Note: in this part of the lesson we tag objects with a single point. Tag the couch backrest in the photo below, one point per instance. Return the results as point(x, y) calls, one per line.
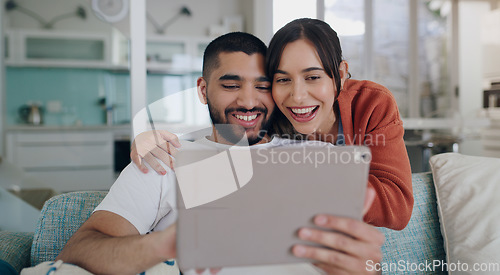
point(421, 241)
point(61, 216)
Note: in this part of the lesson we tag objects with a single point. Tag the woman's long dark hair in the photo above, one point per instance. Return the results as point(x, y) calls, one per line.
point(327, 45)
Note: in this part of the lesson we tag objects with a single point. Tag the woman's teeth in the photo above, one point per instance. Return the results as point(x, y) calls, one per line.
point(302, 110)
point(246, 118)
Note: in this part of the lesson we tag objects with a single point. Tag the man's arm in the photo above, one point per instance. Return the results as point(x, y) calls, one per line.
point(108, 243)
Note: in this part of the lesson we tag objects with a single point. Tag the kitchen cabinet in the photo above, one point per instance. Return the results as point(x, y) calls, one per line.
point(165, 54)
point(7, 41)
point(64, 160)
point(58, 49)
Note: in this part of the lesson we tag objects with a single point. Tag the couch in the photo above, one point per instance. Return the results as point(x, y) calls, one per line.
point(62, 215)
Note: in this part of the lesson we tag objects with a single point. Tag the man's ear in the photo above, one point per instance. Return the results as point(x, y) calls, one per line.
point(201, 85)
point(344, 72)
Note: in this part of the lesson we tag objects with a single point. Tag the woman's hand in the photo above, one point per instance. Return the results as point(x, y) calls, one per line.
point(155, 144)
point(349, 243)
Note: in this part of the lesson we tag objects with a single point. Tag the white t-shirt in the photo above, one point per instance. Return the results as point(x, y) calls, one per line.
point(147, 201)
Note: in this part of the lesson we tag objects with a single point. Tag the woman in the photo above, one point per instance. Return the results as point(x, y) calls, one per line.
point(318, 101)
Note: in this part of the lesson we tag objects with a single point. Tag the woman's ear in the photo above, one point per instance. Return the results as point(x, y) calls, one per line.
point(344, 72)
point(201, 85)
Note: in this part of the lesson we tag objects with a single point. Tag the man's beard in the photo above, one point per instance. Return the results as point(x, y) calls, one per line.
point(235, 133)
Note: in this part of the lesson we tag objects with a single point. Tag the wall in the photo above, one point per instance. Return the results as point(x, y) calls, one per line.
point(470, 56)
point(204, 13)
point(470, 69)
point(78, 90)
point(490, 38)
point(48, 9)
point(248, 14)
point(263, 20)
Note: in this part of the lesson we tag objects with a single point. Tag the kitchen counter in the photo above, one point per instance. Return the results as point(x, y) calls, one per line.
point(66, 128)
point(444, 123)
point(120, 132)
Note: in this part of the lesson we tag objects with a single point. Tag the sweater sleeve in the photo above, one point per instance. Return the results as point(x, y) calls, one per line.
point(376, 123)
point(390, 176)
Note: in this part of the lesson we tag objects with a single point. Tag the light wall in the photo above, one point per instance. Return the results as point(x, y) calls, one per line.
point(470, 56)
point(78, 91)
point(471, 69)
point(204, 14)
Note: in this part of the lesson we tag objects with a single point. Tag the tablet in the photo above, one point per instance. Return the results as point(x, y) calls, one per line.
point(244, 206)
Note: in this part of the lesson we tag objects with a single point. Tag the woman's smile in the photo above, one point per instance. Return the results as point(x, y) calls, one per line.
point(303, 114)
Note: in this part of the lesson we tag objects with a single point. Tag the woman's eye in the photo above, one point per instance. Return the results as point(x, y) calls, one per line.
point(282, 80)
point(314, 77)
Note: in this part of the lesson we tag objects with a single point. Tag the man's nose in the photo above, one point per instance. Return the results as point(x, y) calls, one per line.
point(248, 97)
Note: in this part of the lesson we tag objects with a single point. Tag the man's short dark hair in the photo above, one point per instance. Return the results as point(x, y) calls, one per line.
point(228, 43)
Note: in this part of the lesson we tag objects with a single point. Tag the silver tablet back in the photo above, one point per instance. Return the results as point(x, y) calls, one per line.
point(241, 206)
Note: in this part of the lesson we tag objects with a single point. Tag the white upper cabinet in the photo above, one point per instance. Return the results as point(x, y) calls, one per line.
point(58, 48)
point(48, 48)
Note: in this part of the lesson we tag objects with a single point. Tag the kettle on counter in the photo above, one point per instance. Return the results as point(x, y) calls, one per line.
point(31, 114)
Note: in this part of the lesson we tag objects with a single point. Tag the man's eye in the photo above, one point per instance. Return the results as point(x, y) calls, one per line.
point(230, 86)
point(266, 88)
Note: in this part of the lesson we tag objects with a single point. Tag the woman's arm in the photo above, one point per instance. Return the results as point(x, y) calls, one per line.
point(153, 145)
point(370, 117)
point(390, 176)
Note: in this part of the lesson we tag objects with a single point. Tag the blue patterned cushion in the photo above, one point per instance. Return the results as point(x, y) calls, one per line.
point(15, 250)
point(61, 216)
point(6, 268)
point(421, 241)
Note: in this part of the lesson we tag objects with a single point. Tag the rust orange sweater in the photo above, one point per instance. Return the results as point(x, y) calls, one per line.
point(370, 117)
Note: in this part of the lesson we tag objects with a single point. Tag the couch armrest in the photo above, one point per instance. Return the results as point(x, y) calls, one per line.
point(421, 241)
point(15, 248)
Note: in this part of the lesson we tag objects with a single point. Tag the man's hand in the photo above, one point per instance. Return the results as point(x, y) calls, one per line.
point(348, 247)
point(150, 145)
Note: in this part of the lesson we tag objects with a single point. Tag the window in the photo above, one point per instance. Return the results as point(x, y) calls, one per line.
point(285, 11)
point(401, 44)
point(347, 18)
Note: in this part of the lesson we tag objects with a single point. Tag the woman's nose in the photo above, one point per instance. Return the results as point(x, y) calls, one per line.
point(298, 92)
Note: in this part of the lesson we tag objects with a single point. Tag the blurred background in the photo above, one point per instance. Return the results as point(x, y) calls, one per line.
point(68, 93)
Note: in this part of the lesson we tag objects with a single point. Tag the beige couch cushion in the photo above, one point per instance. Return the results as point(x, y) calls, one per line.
point(468, 195)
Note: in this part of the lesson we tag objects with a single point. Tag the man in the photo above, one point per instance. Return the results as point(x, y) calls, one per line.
point(133, 228)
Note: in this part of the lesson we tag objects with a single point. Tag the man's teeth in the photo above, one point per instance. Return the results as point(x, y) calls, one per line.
point(246, 118)
point(302, 110)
